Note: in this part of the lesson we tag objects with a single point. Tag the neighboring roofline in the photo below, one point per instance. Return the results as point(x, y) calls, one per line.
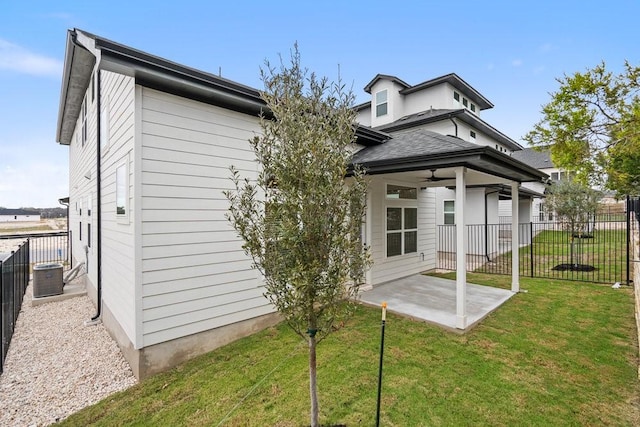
point(468, 158)
point(362, 106)
point(161, 74)
point(464, 115)
point(394, 79)
point(456, 81)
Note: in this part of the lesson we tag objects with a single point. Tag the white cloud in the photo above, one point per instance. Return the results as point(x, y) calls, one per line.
point(517, 62)
point(17, 58)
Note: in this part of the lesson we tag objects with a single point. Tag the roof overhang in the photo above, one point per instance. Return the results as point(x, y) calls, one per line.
point(454, 80)
point(481, 159)
point(84, 50)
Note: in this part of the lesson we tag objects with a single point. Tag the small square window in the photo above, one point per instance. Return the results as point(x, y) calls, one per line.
point(465, 102)
point(456, 96)
point(472, 134)
point(89, 235)
point(80, 230)
point(473, 107)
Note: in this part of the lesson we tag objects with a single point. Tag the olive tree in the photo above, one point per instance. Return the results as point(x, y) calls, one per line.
point(575, 206)
point(301, 219)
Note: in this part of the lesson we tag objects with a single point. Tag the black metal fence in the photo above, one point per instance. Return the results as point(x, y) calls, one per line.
point(594, 251)
point(14, 278)
point(44, 247)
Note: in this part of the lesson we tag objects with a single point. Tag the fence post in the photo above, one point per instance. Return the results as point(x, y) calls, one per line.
point(628, 238)
point(531, 245)
point(2, 326)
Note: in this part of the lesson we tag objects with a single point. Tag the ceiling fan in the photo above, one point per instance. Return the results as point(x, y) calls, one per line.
point(434, 178)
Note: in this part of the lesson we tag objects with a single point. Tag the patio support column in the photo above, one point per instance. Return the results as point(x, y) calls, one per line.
point(515, 238)
point(368, 233)
point(461, 250)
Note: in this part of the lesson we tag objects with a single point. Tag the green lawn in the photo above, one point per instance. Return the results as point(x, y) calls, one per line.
point(605, 250)
point(563, 353)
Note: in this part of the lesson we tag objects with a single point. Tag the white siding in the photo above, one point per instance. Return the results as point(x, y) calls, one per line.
point(119, 284)
point(436, 97)
point(195, 275)
point(386, 268)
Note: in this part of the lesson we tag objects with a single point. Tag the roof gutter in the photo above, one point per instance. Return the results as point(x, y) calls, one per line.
point(68, 60)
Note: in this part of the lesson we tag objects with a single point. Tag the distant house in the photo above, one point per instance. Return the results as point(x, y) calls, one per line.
point(150, 142)
point(540, 160)
point(19, 215)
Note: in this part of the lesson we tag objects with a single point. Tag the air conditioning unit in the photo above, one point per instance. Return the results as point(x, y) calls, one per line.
point(47, 280)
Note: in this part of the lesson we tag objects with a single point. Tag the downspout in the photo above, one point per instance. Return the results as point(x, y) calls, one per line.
point(454, 124)
point(68, 235)
point(99, 203)
point(486, 225)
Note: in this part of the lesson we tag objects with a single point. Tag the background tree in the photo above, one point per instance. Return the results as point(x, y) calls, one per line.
point(300, 219)
point(592, 127)
point(575, 205)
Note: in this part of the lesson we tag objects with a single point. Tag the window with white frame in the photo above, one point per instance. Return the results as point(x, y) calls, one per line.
point(449, 210)
point(122, 191)
point(401, 220)
point(381, 103)
point(84, 121)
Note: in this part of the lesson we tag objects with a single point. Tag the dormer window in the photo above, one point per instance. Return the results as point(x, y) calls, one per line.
point(381, 103)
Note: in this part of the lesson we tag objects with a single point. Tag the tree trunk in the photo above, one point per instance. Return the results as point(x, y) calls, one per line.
point(313, 386)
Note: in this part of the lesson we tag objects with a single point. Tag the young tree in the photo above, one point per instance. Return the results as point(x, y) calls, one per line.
point(575, 205)
point(301, 219)
point(592, 127)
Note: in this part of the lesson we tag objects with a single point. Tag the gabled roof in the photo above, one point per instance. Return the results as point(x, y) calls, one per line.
point(394, 79)
point(420, 149)
point(157, 73)
point(535, 158)
point(430, 116)
point(454, 80)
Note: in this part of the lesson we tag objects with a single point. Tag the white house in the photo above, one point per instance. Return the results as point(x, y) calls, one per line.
point(540, 160)
point(19, 215)
point(150, 142)
point(450, 106)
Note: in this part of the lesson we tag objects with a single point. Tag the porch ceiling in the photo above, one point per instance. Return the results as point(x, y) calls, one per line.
point(423, 150)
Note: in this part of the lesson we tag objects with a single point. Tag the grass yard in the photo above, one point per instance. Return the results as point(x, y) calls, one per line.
point(564, 353)
point(605, 250)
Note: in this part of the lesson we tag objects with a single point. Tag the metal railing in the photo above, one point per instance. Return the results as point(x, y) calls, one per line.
point(596, 251)
point(44, 247)
point(14, 278)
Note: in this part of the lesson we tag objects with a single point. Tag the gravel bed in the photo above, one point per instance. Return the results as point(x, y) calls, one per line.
point(56, 365)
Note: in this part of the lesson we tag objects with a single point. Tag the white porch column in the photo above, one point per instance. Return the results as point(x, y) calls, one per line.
point(515, 238)
point(368, 232)
point(461, 251)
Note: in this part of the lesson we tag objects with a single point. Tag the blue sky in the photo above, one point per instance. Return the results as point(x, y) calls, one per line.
point(511, 51)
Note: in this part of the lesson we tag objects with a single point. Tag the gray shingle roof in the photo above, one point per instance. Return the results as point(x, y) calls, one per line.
point(412, 143)
point(534, 158)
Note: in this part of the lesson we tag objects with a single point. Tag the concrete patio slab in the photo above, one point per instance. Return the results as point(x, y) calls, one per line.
point(433, 300)
point(71, 290)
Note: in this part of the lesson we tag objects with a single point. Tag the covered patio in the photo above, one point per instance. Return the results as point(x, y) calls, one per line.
point(417, 162)
point(433, 300)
